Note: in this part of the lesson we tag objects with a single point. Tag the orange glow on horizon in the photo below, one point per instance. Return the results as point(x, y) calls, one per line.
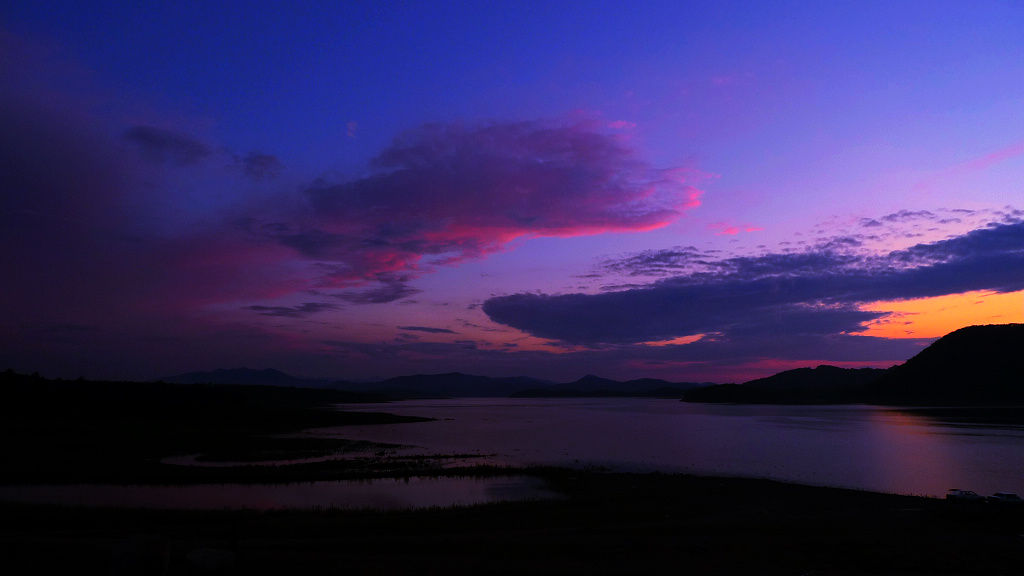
point(938, 316)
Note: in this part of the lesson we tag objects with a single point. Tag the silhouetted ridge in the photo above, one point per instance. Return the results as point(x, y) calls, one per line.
point(452, 384)
point(821, 385)
point(448, 385)
point(973, 366)
point(247, 376)
point(594, 386)
point(976, 365)
point(26, 395)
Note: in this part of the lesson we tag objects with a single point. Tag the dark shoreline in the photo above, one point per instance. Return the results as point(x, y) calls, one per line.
point(608, 523)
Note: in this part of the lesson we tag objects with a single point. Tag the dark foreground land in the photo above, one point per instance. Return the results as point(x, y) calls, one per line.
point(607, 523)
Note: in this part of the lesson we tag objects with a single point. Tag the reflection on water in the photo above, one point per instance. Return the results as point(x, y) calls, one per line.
point(380, 494)
point(852, 446)
point(989, 419)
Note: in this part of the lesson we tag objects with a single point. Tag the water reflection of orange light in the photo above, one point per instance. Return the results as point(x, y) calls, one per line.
point(902, 453)
point(938, 316)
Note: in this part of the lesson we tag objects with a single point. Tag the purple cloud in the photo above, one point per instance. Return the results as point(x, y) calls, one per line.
point(427, 329)
point(387, 290)
point(260, 166)
point(299, 311)
point(160, 145)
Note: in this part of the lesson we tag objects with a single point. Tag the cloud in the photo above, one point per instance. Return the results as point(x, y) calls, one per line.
point(661, 262)
point(812, 293)
point(973, 165)
point(442, 194)
point(260, 166)
point(427, 329)
point(299, 311)
point(57, 171)
point(908, 216)
point(160, 145)
point(705, 360)
point(97, 227)
point(388, 290)
point(726, 229)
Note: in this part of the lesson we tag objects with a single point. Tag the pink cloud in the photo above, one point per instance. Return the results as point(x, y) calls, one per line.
point(441, 194)
point(726, 229)
point(126, 240)
point(978, 164)
point(991, 159)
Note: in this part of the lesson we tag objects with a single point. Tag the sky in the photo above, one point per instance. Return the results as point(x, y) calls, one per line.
point(694, 191)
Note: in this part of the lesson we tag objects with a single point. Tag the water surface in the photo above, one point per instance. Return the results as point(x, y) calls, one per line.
point(378, 494)
point(863, 447)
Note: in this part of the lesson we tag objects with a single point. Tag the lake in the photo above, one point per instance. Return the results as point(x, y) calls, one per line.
point(864, 447)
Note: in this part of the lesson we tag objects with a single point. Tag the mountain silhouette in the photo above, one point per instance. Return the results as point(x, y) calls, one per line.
point(972, 366)
point(449, 385)
point(822, 385)
point(977, 365)
point(595, 386)
point(248, 376)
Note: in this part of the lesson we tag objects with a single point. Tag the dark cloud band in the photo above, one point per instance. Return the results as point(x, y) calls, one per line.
point(817, 292)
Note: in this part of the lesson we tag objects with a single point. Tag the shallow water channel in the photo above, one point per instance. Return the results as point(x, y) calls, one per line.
point(378, 494)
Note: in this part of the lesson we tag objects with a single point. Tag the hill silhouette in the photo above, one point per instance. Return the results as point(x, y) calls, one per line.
point(247, 376)
point(972, 366)
point(452, 384)
point(448, 385)
point(822, 385)
point(595, 386)
point(32, 395)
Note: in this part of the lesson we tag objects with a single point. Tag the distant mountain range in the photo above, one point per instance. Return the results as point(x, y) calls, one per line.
point(268, 377)
point(594, 386)
point(977, 365)
point(451, 385)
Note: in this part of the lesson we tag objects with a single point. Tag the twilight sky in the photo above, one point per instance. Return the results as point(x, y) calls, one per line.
point(696, 191)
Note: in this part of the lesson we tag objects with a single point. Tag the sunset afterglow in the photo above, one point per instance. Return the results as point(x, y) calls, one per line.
point(682, 190)
point(938, 316)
